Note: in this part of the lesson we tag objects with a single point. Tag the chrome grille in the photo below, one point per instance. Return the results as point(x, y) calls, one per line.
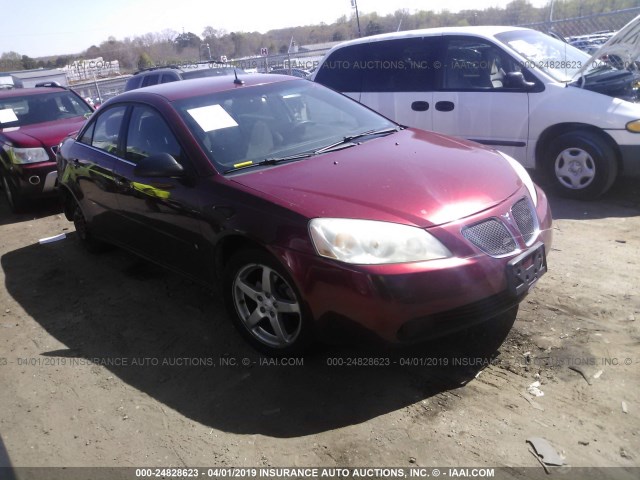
point(525, 219)
point(491, 236)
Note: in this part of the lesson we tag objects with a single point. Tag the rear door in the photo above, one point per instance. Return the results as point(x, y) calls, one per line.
point(91, 163)
point(475, 100)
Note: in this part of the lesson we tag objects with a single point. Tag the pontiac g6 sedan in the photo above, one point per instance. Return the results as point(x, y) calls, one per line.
point(308, 209)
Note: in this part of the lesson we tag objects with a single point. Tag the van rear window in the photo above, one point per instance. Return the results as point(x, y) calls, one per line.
point(340, 71)
point(401, 65)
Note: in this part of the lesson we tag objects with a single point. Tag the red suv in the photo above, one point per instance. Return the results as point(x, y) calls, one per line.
point(33, 121)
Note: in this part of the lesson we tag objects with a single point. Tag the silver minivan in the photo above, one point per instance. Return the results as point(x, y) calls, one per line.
point(547, 104)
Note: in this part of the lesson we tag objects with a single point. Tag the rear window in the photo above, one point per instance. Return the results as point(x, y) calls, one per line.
point(341, 70)
point(151, 79)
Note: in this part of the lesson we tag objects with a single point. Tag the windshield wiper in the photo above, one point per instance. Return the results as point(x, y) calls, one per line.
point(270, 161)
point(346, 142)
point(381, 131)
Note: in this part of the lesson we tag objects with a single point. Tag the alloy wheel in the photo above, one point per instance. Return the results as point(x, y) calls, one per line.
point(267, 305)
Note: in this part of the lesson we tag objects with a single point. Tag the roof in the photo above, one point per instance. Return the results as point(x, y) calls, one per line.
point(36, 73)
point(481, 31)
point(170, 68)
point(21, 92)
point(202, 86)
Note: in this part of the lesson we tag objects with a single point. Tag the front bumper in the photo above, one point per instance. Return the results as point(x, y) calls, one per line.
point(410, 302)
point(35, 180)
point(629, 145)
point(630, 160)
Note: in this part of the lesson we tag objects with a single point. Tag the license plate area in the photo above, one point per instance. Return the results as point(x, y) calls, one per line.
point(526, 269)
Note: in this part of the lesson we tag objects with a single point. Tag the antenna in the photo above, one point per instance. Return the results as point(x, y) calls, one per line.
point(237, 81)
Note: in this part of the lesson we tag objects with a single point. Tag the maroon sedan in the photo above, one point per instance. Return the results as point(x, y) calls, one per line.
point(309, 209)
point(33, 121)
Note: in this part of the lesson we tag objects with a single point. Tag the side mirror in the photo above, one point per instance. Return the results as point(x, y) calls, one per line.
point(159, 165)
point(517, 80)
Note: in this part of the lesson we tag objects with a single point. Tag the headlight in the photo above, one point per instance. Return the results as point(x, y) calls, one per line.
point(633, 126)
point(368, 242)
point(27, 155)
point(524, 176)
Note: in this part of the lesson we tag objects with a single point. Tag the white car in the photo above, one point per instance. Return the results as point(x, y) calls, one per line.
point(536, 98)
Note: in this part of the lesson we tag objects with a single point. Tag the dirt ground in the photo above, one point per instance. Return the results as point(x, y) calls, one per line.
point(108, 361)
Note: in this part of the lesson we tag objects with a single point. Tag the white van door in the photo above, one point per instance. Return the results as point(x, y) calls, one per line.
point(479, 98)
point(399, 78)
point(413, 109)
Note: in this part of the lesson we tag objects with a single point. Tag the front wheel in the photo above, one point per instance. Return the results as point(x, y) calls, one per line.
point(14, 199)
point(580, 165)
point(265, 305)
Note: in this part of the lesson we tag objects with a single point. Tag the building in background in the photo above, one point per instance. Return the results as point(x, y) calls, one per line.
point(82, 70)
point(29, 78)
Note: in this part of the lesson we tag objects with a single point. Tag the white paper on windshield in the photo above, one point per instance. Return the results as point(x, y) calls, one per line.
point(7, 115)
point(212, 117)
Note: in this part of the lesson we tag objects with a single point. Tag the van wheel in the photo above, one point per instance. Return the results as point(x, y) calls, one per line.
point(580, 165)
point(265, 305)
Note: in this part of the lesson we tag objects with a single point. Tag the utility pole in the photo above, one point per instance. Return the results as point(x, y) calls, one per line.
point(354, 4)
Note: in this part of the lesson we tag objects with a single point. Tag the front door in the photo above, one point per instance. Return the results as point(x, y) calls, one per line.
point(162, 214)
point(477, 100)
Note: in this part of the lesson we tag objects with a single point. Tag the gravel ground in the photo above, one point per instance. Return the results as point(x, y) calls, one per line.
point(109, 361)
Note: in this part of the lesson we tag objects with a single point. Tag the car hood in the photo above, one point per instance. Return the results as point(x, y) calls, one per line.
point(411, 177)
point(625, 44)
point(47, 133)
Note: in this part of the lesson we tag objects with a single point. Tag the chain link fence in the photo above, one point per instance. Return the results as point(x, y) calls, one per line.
point(587, 32)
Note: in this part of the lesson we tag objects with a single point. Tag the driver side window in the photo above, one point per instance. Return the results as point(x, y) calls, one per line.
point(475, 64)
point(149, 134)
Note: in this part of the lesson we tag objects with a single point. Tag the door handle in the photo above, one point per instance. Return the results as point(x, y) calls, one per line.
point(420, 106)
point(445, 106)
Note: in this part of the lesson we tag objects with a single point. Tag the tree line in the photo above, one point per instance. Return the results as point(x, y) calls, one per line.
point(170, 47)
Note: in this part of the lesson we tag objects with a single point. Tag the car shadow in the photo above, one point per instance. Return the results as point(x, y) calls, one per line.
point(35, 209)
point(171, 339)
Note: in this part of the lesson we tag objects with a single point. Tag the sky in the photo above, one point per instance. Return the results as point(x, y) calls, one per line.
point(41, 27)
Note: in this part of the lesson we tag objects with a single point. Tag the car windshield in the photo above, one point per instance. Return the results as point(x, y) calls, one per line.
point(47, 107)
point(558, 59)
point(282, 121)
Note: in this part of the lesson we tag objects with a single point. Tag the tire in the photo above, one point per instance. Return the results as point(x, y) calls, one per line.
point(272, 318)
point(83, 231)
point(14, 199)
point(580, 165)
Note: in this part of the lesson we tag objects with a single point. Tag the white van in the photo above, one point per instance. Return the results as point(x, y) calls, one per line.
point(536, 98)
